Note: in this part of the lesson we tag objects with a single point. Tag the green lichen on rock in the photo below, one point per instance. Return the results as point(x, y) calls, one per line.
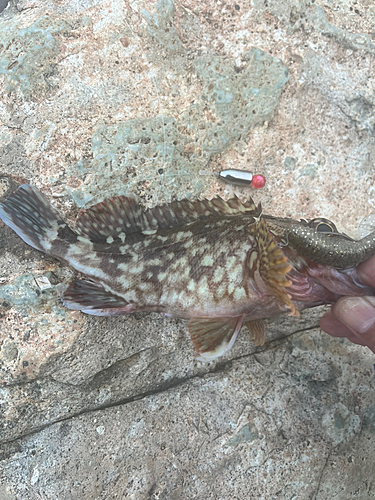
point(240, 97)
point(155, 157)
point(28, 55)
point(161, 28)
point(170, 153)
point(27, 297)
point(356, 41)
point(246, 434)
point(341, 424)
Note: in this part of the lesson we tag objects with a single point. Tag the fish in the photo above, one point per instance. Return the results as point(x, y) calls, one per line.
point(219, 264)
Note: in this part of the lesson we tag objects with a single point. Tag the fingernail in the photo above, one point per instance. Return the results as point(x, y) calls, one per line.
point(357, 313)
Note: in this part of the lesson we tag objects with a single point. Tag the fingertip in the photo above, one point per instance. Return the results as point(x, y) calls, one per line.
point(333, 326)
point(347, 317)
point(366, 271)
point(357, 313)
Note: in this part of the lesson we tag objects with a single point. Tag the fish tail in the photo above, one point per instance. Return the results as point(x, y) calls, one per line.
point(31, 216)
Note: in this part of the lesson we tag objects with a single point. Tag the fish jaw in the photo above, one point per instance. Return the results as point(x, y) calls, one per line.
point(316, 284)
point(340, 282)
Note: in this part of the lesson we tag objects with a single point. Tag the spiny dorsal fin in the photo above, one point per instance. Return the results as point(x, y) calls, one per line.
point(274, 266)
point(121, 215)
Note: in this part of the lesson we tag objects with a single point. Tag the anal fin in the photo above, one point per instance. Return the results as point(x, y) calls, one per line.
point(257, 331)
point(92, 298)
point(213, 337)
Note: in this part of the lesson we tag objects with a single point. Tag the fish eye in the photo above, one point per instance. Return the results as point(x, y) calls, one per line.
point(323, 226)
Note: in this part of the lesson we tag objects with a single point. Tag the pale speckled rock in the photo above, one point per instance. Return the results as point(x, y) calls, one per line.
point(262, 426)
point(105, 97)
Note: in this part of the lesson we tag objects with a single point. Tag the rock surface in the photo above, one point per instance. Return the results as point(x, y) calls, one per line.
point(152, 98)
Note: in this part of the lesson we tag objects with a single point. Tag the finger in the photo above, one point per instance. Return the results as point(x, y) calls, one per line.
point(357, 313)
point(331, 325)
point(366, 271)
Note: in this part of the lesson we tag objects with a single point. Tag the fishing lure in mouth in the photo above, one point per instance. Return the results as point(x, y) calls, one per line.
point(242, 178)
point(219, 264)
point(331, 248)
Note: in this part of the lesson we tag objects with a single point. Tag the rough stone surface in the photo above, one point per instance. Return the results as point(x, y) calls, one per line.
point(154, 98)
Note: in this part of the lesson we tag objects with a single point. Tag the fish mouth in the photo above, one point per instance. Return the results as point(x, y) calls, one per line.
point(317, 284)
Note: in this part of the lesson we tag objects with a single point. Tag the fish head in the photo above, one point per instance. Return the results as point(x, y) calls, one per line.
point(323, 260)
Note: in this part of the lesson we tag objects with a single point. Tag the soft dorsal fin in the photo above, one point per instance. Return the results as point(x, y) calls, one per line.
point(120, 216)
point(274, 266)
point(114, 217)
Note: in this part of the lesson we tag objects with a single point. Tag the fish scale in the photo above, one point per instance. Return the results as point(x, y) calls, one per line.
point(220, 264)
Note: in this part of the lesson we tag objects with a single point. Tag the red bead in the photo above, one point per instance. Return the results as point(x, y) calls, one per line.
point(258, 181)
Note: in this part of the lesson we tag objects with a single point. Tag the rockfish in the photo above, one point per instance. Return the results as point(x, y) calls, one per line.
point(219, 264)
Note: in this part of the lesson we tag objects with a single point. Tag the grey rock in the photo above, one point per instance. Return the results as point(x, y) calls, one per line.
point(216, 435)
point(3, 4)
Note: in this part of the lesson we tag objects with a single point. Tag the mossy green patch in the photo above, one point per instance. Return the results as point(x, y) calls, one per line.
point(163, 155)
point(28, 56)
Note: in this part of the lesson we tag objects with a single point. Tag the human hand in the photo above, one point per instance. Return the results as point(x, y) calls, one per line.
point(354, 317)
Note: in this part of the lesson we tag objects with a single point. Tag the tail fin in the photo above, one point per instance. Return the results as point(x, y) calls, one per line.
point(31, 216)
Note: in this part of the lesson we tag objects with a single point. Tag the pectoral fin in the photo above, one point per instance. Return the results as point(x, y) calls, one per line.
point(257, 331)
point(212, 337)
point(92, 298)
point(274, 267)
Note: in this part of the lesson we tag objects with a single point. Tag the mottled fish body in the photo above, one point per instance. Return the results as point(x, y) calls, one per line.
point(220, 264)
